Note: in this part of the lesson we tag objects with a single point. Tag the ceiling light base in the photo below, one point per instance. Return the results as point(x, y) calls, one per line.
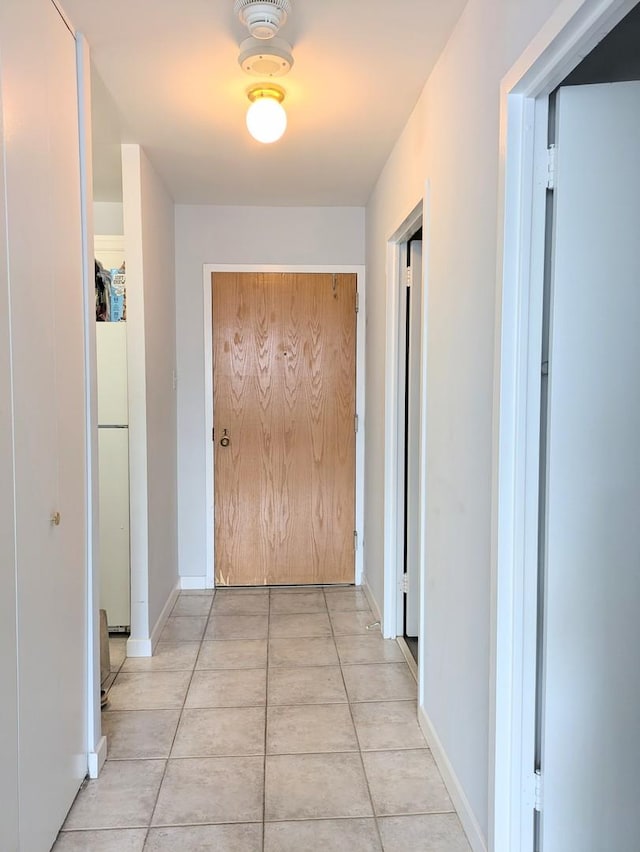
point(265, 59)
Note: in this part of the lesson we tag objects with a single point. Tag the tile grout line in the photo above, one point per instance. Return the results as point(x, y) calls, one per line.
point(355, 730)
point(166, 764)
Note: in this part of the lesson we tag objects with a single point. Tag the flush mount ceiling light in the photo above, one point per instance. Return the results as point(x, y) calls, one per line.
point(271, 58)
point(266, 118)
point(263, 18)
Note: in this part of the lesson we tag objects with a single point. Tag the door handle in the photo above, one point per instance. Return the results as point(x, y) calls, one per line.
point(225, 440)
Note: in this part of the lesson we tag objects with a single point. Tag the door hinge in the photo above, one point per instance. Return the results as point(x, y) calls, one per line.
point(538, 791)
point(213, 434)
point(545, 368)
point(356, 423)
point(357, 301)
point(409, 277)
point(404, 584)
point(355, 539)
point(551, 166)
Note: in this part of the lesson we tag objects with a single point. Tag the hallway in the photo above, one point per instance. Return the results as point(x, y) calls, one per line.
point(269, 719)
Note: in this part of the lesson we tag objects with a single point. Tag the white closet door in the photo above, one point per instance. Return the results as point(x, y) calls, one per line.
point(44, 266)
point(591, 705)
point(115, 579)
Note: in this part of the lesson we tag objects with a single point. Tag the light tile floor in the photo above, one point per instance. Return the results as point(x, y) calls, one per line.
point(268, 721)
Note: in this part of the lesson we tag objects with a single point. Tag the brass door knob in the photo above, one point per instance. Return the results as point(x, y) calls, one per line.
point(55, 519)
point(225, 440)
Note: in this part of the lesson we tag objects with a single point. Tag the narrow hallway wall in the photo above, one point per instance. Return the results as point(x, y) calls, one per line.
point(451, 140)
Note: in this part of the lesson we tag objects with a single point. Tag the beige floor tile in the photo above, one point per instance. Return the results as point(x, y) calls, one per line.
point(434, 832)
point(245, 604)
point(243, 688)
point(307, 624)
point(112, 840)
point(211, 790)
point(379, 682)
point(368, 649)
point(387, 725)
point(315, 786)
point(337, 835)
point(237, 627)
point(319, 651)
point(233, 654)
point(353, 623)
point(149, 691)
point(117, 651)
point(220, 732)
point(310, 728)
point(122, 797)
point(167, 657)
point(347, 600)
point(198, 605)
point(139, 734)
point(302, 602)
point(183, 628)
point(206, 838)
point(310, 685)
point(405, 782)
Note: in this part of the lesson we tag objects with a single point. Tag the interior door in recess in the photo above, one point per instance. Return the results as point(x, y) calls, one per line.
point(284, 389)
point(590, 737)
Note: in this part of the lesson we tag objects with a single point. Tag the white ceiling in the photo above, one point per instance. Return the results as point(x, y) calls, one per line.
point(170, 69)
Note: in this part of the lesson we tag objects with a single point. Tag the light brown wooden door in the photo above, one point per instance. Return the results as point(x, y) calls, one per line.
point(284, 388)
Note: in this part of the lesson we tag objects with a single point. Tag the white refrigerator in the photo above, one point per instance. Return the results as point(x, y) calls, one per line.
point(113, 452)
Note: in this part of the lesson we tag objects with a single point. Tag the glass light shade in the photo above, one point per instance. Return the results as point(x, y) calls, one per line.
point(266, 120)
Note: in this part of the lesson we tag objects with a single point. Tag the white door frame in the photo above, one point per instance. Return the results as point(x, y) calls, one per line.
point(394, 418)
point(96, 742)
point(572, 31)
point(359, 271)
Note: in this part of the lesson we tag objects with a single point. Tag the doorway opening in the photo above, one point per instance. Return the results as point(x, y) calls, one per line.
point(568, 464)
point(412, 297)
point(405, 444)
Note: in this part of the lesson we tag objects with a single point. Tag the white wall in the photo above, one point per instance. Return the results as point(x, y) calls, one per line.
point(251, 235)
point(151, 342)
point(451, 140)
point(108, 218)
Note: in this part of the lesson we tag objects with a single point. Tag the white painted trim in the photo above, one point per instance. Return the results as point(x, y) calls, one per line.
point(408, 656)
point(394, 436)
point(97, 758)
point(92, 628)
point(164, 615)
point(137, 396)
point(373, 603)
point(360, 272)
point(571, 32)
point(139, 647)
point(454, 788)
point(193, 583)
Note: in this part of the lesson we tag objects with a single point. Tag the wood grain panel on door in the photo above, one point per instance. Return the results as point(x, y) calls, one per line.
point(284, 388)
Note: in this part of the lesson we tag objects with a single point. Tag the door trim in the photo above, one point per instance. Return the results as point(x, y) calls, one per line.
point(208, 269)
point(571, 32)
point(394, 420)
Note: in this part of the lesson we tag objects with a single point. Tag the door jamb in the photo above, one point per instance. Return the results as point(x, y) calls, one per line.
point(394, 416)
point(571, 32)
point(208, 269)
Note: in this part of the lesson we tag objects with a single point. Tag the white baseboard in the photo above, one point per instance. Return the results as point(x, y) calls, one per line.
point(145, 647)
point(97, 758)
point(139, 647)
point(193, 583)
point(460, 802)
point(164, 615)
point(373, 603)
